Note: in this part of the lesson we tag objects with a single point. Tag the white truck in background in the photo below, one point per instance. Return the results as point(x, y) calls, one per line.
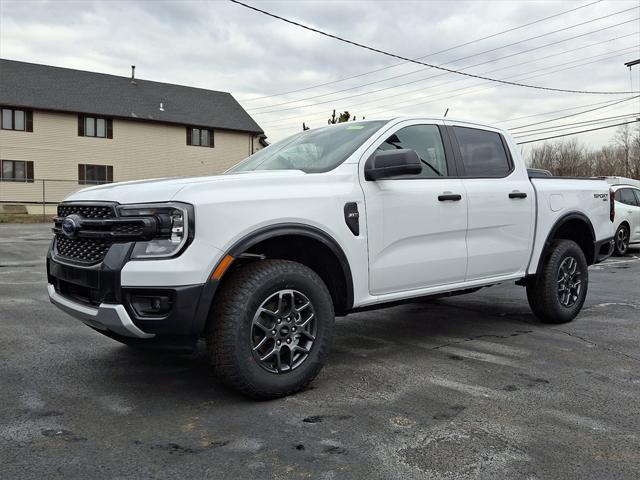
point(358, 215)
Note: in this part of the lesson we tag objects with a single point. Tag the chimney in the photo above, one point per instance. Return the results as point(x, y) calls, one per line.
point(133, 74)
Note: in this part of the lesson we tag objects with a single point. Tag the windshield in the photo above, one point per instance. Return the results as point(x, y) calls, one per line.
point(312, 151)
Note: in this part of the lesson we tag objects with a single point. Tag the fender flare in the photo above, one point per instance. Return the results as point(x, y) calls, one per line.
point(557, 225)
point(281, 229)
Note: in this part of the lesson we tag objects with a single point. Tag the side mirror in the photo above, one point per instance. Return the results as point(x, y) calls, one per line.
point(390, 163)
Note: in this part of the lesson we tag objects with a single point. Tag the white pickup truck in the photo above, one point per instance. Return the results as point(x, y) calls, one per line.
point(259, 260)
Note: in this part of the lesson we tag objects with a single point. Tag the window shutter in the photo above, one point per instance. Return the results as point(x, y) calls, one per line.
point(29, 172)
point(80, 126)
point(81, 174)
point(188, 135)
point(211, 142)
point(109, 173)
point(109, 128)
point(29, 121)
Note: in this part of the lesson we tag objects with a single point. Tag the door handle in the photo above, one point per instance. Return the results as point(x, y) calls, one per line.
point(517, 195)
point(450, 197)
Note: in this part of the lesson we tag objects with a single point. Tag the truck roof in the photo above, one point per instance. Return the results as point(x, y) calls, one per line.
point(440, 118)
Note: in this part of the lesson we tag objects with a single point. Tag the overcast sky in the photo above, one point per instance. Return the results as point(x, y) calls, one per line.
point(221, 46)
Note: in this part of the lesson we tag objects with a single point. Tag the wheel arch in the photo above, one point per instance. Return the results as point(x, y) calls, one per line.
point(626, 223)
point(293, 241)
point(574, 226)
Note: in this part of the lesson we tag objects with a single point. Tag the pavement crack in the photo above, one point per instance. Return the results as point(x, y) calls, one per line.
point(590, 342)
point(477, 337)
point(512, 318)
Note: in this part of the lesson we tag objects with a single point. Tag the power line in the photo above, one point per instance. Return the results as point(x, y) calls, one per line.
point(396, 103)
point(440, 96)
point(566, 126)
point(574, 114)
point(400, 57)
point(557, 111)
point(425, 56)
point(550, 44)
point(576, 133)
point(254, 112)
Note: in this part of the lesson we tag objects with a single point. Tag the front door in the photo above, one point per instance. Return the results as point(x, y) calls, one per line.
point(416, 225)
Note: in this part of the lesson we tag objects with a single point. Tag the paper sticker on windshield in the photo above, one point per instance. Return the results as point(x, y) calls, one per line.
point(355, 127)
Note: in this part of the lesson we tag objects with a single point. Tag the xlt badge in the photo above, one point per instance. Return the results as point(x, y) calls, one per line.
point(352, 217)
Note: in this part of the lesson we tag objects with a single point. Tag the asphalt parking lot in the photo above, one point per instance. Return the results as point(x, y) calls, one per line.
point(466, 387)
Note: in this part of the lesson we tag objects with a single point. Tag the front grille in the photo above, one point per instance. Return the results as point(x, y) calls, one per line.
point(86, 211)
point(132, 229)
point(85, 250)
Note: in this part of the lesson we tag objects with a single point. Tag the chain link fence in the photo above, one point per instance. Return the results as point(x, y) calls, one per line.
point(37, 196)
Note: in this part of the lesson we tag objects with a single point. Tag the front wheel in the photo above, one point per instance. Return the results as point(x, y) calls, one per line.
point(559, 290)
point(271, 328)
point(621, 241)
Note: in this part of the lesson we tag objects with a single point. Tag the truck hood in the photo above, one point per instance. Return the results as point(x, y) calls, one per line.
point(165, 189)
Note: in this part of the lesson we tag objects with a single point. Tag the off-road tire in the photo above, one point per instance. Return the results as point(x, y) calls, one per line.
point(229, 333)
point(542, 292)
point(621, 246)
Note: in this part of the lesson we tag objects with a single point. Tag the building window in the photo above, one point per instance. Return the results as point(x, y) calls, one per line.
point(94, 174)
point(16, 171)
point(200, 137)
point(14, 119)
point(95, 127)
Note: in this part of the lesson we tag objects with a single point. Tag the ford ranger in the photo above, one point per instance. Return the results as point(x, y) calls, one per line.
point(259, 261)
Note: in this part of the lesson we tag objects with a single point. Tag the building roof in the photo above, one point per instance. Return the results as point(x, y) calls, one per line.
point(42, 87)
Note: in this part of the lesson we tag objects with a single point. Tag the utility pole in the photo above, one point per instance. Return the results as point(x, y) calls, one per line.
point(628, 149)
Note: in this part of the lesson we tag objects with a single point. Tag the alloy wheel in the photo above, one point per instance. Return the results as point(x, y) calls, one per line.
point(569, 282)
point(622, 240)
point(283, 331)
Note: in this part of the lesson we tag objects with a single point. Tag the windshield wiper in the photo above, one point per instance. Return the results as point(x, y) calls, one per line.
point(430, 166)
point(394, 144)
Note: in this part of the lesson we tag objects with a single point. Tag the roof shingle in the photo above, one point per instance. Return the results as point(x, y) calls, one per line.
point(44, 87)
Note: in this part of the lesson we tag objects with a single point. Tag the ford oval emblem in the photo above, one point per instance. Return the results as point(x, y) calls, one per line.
point(71, 225)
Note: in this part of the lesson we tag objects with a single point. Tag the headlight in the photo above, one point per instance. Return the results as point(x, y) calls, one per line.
point(175, 228)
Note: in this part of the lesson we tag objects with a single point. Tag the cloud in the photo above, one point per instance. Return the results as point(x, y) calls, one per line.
point(222, 46)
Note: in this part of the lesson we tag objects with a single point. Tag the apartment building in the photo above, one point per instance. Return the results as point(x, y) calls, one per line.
point(63, 129)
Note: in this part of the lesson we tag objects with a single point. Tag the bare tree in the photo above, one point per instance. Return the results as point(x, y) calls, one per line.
point(621, 158)
point(634, 161)
point(623, 139)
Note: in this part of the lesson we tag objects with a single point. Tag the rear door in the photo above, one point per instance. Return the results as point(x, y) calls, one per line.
point(500, 200)
point(630, 198)
point(416, 225)
point(636, 219)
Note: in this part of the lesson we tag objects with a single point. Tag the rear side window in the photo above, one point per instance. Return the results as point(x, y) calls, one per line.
point(637, 192)
point(483, 153)
point(627, 197)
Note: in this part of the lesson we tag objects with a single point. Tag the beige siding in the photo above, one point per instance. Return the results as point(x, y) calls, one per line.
point(138, 150)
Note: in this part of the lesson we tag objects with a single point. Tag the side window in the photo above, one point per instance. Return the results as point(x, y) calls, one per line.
point(637, 192)
point(483, 153)
point(627, 197)
point(427, 143)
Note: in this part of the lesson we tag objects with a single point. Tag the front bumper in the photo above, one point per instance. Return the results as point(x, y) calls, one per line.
point(94, 295)
point(111, 317)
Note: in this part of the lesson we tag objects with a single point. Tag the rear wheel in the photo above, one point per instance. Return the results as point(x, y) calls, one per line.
point(271, 328)
point(560, 288)
point(621, 241)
